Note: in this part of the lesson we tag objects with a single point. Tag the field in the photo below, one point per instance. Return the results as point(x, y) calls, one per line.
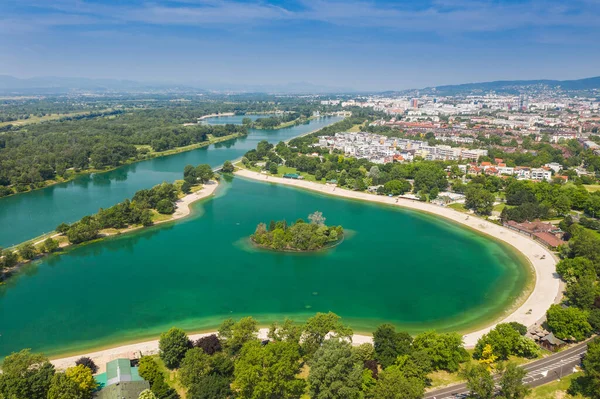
point(45, 118)
point(592, 187)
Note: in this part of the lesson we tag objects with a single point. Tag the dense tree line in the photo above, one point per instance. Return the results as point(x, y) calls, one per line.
point(272, 122)
point(314, 358)
point(298, 236)
point(235, 363)
point(138, 210)
point(32, 376)
point(34, 154)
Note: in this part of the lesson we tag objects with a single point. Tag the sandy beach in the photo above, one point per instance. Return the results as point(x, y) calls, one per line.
point(532, 310)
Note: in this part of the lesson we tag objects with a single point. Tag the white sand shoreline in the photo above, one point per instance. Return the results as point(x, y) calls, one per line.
point(547, 290)
point(545, 293)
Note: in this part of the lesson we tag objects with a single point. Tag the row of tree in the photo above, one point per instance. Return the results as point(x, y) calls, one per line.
point(235, 363)
point(34, 154)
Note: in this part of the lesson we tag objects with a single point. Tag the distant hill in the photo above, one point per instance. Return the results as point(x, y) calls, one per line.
point(515, 86)
point(58, 85)
point(61, 85)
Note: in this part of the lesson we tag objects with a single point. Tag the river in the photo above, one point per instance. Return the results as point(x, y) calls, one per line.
point(28, 215)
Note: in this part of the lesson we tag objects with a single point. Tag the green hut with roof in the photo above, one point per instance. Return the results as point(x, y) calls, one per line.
point(121, 381)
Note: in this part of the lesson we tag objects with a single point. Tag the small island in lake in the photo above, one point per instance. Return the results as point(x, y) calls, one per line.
point(299, 236)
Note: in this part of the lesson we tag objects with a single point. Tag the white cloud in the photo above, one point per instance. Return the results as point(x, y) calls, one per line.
point(441, 16)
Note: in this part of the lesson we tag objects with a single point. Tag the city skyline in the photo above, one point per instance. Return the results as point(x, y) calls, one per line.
point(355, 45)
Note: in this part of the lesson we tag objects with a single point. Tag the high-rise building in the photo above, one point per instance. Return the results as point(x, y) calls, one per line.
point(414, 103)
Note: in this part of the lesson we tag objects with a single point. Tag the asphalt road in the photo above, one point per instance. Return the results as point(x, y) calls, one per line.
point(539, 372)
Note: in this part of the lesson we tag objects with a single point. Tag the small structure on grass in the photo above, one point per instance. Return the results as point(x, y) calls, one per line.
point(121, 381)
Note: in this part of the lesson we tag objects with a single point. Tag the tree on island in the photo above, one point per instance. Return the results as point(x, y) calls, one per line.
point(299, 236)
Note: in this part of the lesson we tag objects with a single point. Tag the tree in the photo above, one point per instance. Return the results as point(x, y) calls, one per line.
point(9, 258)
point(186, 187)
point(511, 382)
point(317, 218)
point(87, 362)
point(209, 344)
point(562, 204)
point(234, 335)
point(582, 293)
point(394, 384)
point(591, 368)
point(85, 230)
point(50, 245)
point(487, 358)
point(84, 379)
point(594, 320)
point(227, 167)
point(210, 387)
point(584, 243)
point(204, 173)
point(364, 352)
point(479, 381)
point(288, 331)
point(571, 269)
point(62, 228)
point(268, 371)
point(389, 344)
point(273, 168)
point(195, 364)
point(317, 328)
point(165, 207)
point(335, 372)
point(63, 387)
point(505, 340)
point(428, 176)
point(396, 187)
point(149, 371)
point(27, 251)
point(147, 394)
point(445, 350)
point(568, 323)
point(26, 375)
point(480, 200)
point(173, 345)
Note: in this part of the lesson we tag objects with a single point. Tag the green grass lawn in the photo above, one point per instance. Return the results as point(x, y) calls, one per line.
point(282, 170)
point(355, 128)
point(554, 390)
point(499, 207)
point(592, 187)
point(171, 377)
point(458, 207)
point(159, 217)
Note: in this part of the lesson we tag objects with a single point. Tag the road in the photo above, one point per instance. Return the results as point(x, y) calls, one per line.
point(539, 372)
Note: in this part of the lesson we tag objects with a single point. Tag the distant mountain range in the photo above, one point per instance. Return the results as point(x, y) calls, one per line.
point(63, 85)
point(514, 86)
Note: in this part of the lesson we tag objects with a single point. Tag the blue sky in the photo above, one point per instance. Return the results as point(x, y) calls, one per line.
point(367, 45)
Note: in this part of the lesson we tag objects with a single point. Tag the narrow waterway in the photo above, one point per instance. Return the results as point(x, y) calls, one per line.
point(31, 214)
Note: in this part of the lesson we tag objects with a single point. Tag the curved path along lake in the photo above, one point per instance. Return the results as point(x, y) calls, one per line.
point(34, 213)
point(399, 266)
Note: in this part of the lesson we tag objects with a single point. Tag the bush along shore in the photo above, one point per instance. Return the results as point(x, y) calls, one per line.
point(299, 236)
point(147, 207)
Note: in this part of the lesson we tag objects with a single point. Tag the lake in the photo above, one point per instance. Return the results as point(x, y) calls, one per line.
point(28, 215)
point(411, 269)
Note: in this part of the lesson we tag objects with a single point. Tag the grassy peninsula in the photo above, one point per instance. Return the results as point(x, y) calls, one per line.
point(299, 236)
